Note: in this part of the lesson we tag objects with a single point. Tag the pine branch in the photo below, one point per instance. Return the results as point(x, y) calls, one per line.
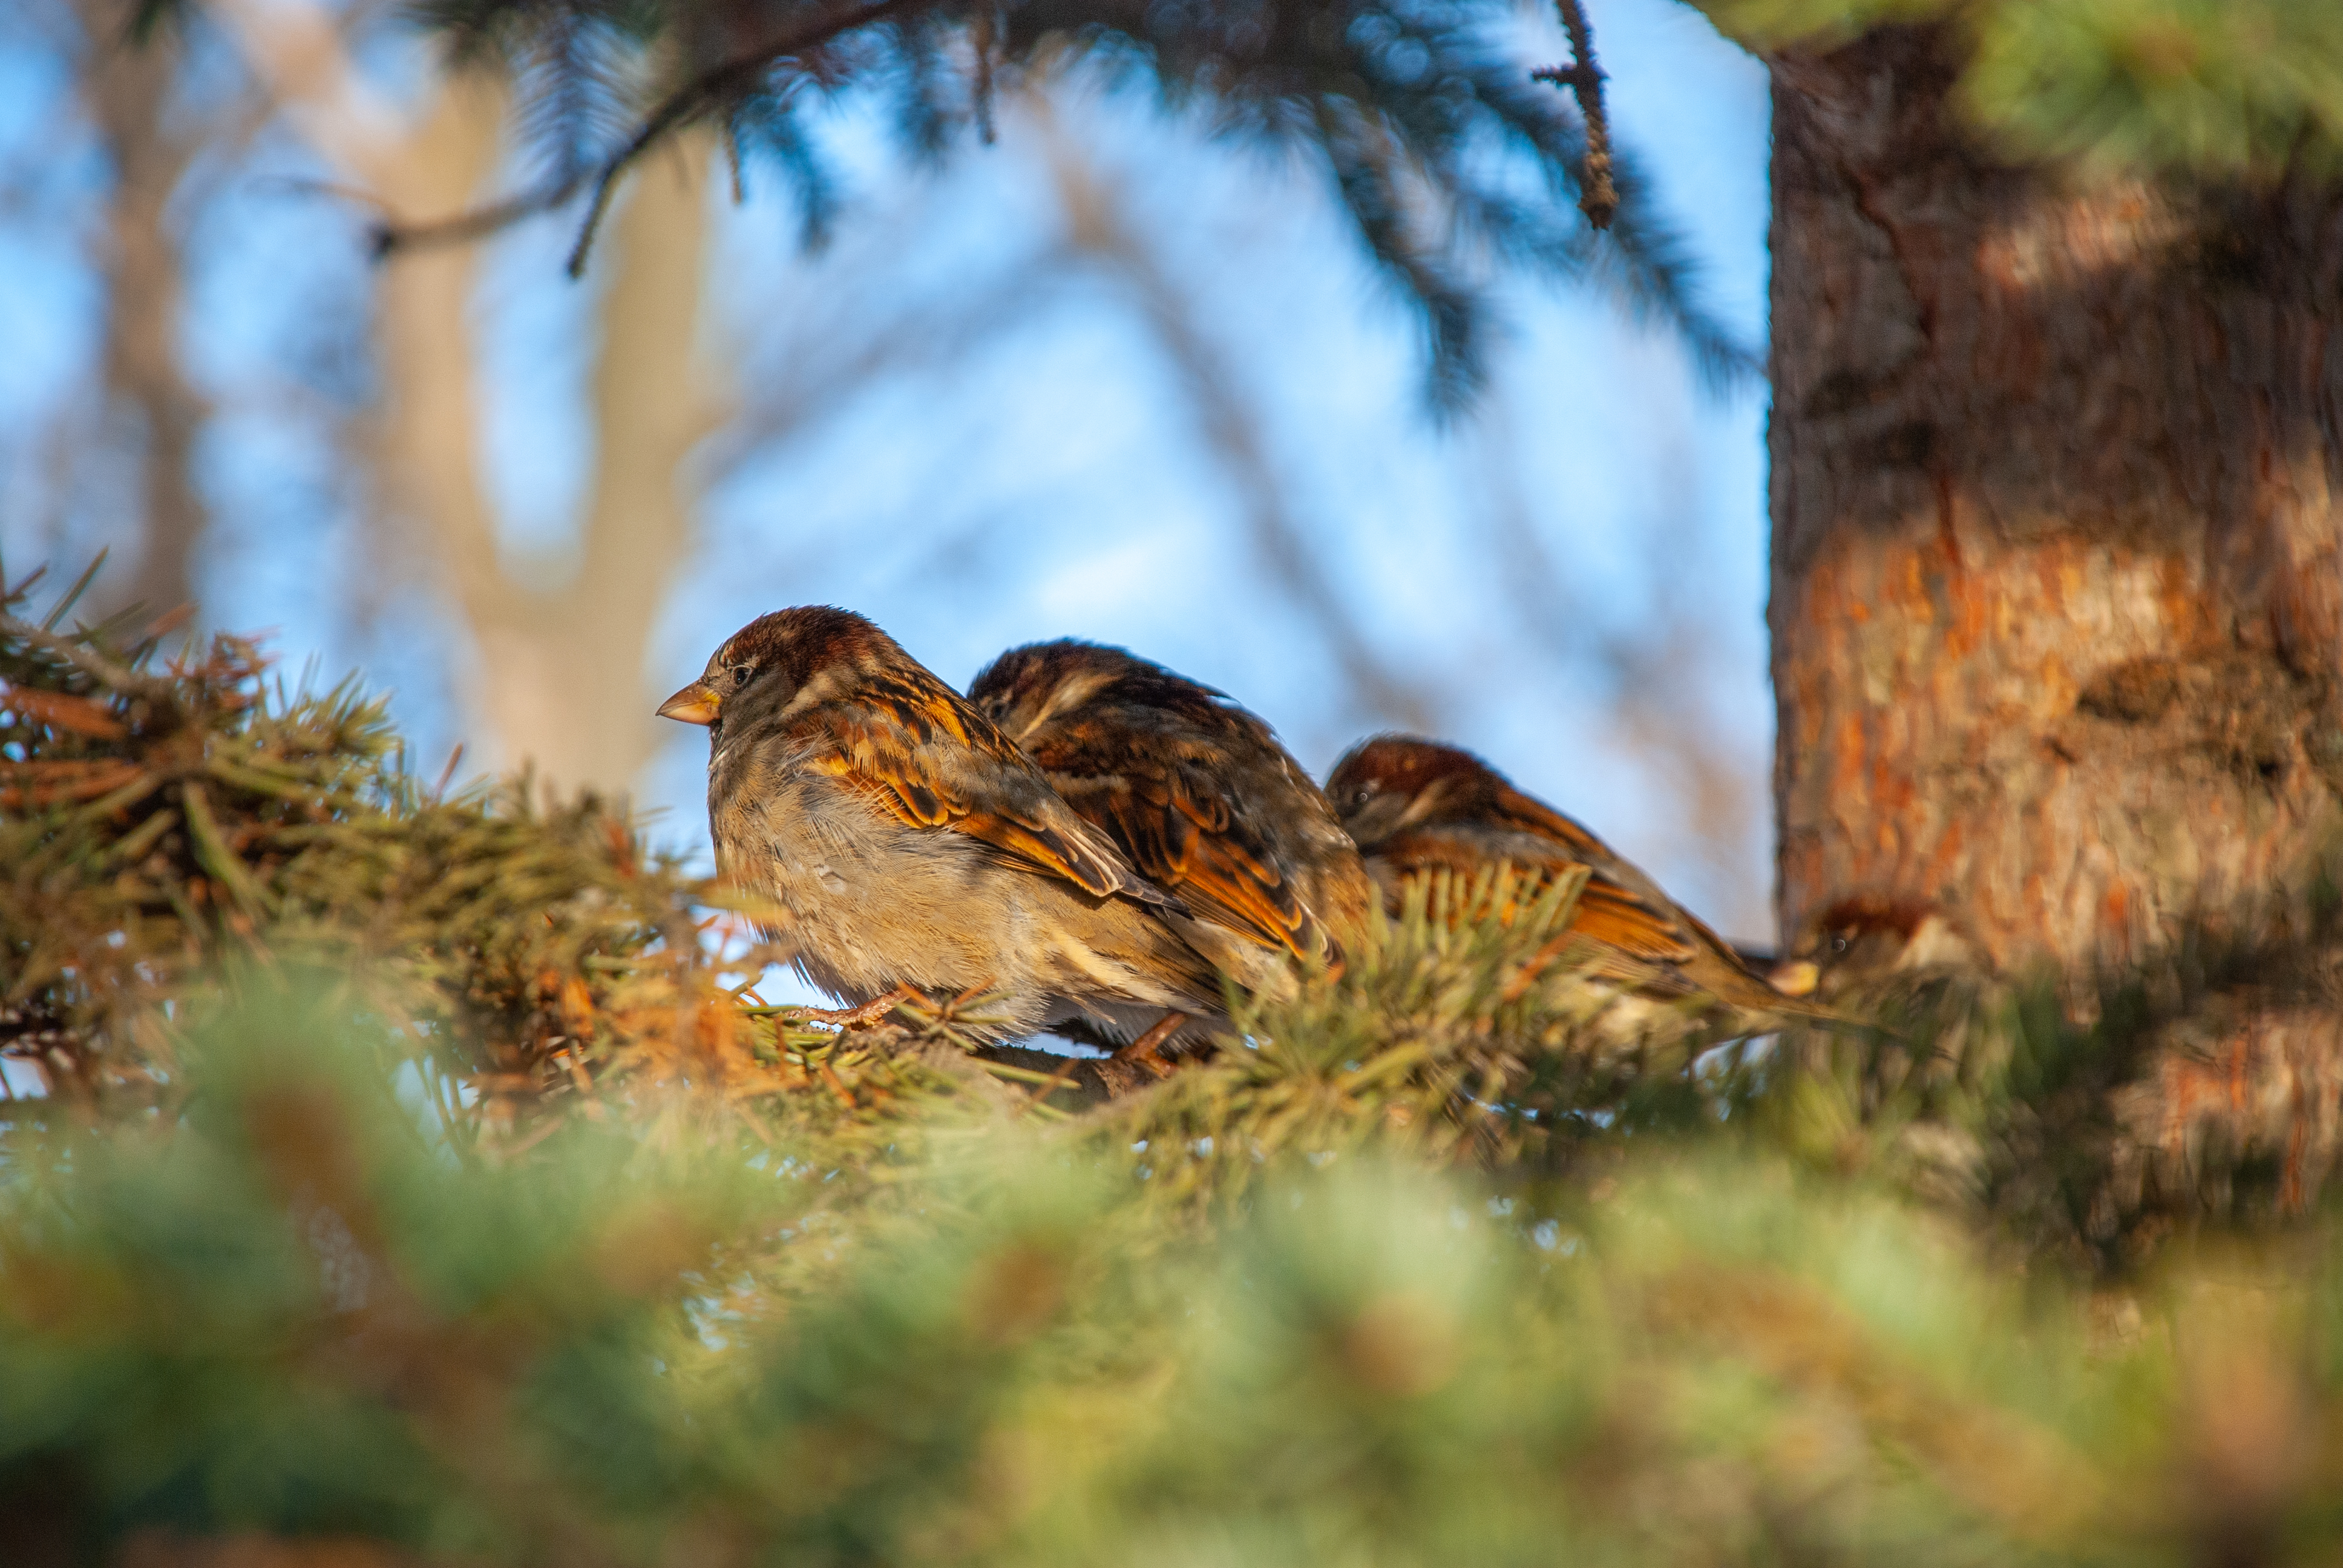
point(1598, 198)
point(88, 661)
point(703, 95)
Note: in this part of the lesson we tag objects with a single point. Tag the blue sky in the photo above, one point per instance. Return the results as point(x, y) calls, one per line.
point(1037, 469)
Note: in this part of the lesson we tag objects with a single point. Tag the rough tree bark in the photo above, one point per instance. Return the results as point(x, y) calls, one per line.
point(2057, 612)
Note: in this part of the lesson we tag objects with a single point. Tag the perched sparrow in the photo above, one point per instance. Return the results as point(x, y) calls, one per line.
point(1196, 791)
point(914, 849)
point(1863, 941)
point(1416, 807)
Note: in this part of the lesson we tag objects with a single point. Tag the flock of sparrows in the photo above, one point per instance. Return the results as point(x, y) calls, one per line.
point(1096, 843)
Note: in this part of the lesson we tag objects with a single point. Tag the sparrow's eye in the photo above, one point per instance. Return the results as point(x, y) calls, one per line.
point(1359, 797)
point(740, 674)
point(1839, 944)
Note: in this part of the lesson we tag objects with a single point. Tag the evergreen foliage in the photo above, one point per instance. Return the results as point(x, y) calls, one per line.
point(1407, 107)
point(2191, 88)
point(291, 1312)
point(2093, 1119)
point(1448, 151)
point(419, 1183)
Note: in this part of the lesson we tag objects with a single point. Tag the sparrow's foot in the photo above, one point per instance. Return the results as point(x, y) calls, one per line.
point(871, 1011)
point(969, 998)
point(1142, 1051)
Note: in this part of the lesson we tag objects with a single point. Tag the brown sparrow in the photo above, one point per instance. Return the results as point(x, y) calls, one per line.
point(1860, 941)
point(1416, 807)
point(1197, 792)
point(913, 849)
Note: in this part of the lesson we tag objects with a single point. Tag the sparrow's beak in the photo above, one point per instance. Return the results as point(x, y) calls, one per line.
point(695, 704)
point(1797, 978)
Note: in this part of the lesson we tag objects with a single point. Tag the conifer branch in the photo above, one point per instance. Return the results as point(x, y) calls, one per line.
point(983, 30)
point(732, 158)
point(1598, 195)
point(387, 237)
point(697, 97)
point(94, 665)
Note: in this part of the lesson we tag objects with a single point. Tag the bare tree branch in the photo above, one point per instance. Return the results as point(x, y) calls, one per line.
point(702, 96)
point(1598, 194)
point(146, 387)
point(1101, 229)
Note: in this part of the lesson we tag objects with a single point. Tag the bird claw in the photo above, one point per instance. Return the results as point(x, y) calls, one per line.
point(1144, 1052)
point(868, 1012)
point(974, 993)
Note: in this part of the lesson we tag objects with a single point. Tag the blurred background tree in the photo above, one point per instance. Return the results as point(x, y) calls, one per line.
point(482, 1222)
point(1113, 375)
point(2053, 603)
point(2031, 544)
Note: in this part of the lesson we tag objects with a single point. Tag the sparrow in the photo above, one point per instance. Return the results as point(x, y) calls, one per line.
point(912, 851)
point(1417, 807)
point(1862, 940)
point(1197, 793)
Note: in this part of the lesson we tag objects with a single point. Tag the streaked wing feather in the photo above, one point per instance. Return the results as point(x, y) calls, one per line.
point(1619, 916)
point(892, 747)
point(1619, 907)
point(1525, 814)
point(1177, 832)
point(1608, 910)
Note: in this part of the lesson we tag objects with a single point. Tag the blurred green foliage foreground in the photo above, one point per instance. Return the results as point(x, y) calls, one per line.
point(415, 1182)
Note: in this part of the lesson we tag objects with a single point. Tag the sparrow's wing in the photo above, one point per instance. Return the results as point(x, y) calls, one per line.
point(1174, 814)
point(1613, 912)
point(1619, 907)
point(1642, 913)
point(912, 746)
point(1185, 782)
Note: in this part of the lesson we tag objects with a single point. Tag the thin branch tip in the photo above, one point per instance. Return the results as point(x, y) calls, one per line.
point(708, 93)
point(1582, 78)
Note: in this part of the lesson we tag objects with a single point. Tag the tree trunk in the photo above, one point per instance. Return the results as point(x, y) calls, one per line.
point(558, 681)
point(564, 684)
point(148, 397)
point(2057, 612)
point(557, 678)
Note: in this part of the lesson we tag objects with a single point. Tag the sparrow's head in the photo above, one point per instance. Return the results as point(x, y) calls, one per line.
point(1026, 687)
point(769, 665)
point(1865, 939)
point(1029, 689)
point(1397, 781)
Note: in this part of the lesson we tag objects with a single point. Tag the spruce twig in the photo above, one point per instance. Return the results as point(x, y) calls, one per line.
point(983, 30)
point(697, 97)
point(94, 665)
point(732, 158)
point(1598, 195)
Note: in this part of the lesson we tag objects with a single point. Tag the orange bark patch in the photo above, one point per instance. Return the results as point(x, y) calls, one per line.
point(2115, 918)
point(1891, 787)
point(60, 710)
point(2178, 600)
point(1846, 761)
point(1967, 607)
point(1911, 595)
point(1946, 864)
